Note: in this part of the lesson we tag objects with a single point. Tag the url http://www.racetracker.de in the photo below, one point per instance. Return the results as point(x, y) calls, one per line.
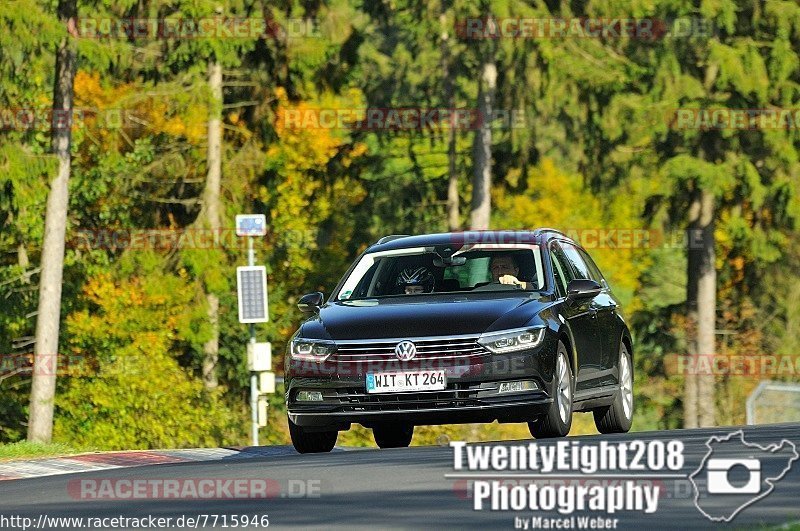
point(184, 521)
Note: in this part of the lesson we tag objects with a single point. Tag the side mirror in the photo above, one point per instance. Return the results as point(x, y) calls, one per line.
point(310, 302)
point(582, 288)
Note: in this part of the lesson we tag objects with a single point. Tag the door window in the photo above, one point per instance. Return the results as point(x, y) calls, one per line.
point(561, 271)
point(576, 262)
point(594, 271)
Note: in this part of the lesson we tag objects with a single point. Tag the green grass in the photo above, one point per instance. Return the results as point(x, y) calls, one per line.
point(790, 526)
point(24, 449)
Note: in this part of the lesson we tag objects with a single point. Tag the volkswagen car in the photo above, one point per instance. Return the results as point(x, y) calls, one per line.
point(507, 326)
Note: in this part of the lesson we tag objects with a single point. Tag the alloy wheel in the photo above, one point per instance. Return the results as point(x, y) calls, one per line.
point(626, 384)
point(564, 395)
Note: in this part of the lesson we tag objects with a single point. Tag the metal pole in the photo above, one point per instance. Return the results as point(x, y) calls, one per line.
point(251, 261)
point(751, 402)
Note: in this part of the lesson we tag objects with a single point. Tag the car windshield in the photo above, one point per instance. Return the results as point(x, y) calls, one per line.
point(421, 270)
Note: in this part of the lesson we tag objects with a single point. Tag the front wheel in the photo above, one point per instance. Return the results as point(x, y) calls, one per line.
point(398, 436)
point(311, 442)
point(558, 420)
point(618, 417)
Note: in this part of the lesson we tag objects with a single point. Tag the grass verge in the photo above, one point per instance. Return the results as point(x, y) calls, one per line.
point(23, 449)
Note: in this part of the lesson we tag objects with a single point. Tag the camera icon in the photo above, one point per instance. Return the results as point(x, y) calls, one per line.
point(720, 483)
point(735, 474)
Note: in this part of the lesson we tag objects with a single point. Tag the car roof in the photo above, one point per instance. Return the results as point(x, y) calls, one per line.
point(458, 239)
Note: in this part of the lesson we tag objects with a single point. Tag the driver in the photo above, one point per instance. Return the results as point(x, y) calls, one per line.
point(504, 269)
point(416, 280)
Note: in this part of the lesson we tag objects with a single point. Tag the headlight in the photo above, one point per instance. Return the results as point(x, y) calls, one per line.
point(312, 349)
point(512, 340)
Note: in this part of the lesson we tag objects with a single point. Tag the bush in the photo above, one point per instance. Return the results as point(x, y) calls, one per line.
point(126, 388)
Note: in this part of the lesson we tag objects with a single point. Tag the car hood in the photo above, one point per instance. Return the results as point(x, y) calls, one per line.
point(424, 316)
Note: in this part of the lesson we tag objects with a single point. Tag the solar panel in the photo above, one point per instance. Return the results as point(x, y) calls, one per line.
point(252, 288)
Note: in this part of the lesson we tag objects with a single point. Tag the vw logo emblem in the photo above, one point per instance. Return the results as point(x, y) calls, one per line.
point(405, 350)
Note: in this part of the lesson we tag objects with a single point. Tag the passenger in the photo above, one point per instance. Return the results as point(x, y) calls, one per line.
point(416, 280)
point(504, 269)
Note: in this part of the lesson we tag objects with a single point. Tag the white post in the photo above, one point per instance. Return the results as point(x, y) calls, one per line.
point(251, 261)
point(249, 226)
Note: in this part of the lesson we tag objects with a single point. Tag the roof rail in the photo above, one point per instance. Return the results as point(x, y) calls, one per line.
point(548, 229)
point(390, 238)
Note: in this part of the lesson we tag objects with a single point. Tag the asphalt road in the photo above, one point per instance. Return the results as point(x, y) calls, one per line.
point(400, 488)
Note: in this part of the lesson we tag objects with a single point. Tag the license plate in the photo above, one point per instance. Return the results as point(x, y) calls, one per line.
point(395, 382)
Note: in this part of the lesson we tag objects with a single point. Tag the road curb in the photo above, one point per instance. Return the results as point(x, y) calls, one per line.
point(92, 462)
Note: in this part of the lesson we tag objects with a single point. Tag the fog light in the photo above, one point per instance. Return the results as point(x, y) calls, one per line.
point(309, 396)
point(518, 387)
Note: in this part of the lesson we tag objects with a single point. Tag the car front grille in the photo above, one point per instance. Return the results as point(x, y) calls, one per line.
point(354, 399)
point(430, 348)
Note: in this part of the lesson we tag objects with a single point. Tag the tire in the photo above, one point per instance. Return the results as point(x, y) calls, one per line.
point(558, 419)
point(311, 442)
point(618, 417)
point(393, 436)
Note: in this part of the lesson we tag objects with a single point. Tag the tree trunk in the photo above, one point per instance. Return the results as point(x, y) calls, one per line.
point(211, 210)
point(690, 419)
point(22, 257)
point(482, 145)
point(701, 297)
point(706, 310)
point(43, 388)
point(453, 201)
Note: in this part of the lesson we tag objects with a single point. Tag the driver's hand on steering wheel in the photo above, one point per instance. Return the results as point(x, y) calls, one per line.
point(511, 279)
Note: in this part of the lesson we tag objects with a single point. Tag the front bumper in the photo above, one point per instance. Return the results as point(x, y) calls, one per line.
point(458, 404)
point(472, 392)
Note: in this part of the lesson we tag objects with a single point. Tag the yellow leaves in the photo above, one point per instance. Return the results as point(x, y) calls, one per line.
point(102, 288)
point(192, 123)
point(737, 263)
point(99, 108)
point(90, 93)
point(136, 298)
point(106, 109)
point(303, 148)
point(306, 141)
point(358, 149)
point(350, 190)
point(513, 176)
point(553, 199)
point(560, 200)
point(87, 87)
point(301, 197)
point(124, 300)
point(148, 339)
